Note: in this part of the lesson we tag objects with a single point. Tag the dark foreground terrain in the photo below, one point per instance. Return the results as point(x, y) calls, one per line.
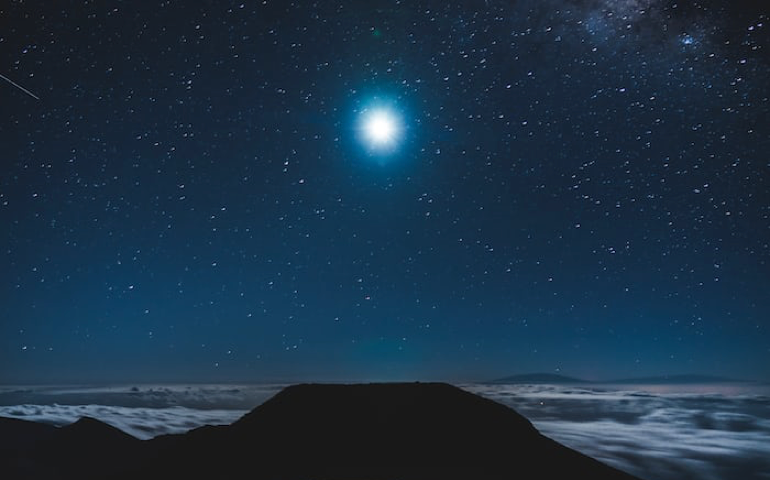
point(362, 432)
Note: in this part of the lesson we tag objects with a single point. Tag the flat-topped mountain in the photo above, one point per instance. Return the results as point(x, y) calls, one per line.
point(409, 431)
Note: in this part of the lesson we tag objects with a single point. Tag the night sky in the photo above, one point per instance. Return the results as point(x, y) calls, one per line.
point(191, 191)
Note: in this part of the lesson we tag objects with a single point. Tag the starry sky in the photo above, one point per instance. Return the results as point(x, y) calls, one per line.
point(188, 190)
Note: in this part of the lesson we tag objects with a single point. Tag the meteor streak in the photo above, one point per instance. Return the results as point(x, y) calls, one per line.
point(19, 87)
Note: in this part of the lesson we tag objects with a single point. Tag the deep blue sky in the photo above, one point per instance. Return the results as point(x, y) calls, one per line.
point(579, 187)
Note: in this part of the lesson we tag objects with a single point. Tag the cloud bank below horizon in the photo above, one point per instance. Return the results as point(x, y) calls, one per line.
point(663, 436)
point(142, 423)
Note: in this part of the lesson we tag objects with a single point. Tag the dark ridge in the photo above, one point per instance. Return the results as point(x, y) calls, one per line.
point(82, 449)
point(19, 442)
point(18, 434)
point(415, 431)
point(89, 430)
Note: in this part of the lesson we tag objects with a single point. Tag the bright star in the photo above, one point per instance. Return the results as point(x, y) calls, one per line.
point(380, 129)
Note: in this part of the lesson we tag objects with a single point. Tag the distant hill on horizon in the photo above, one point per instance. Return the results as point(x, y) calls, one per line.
point(414, 431)
point(557, 379)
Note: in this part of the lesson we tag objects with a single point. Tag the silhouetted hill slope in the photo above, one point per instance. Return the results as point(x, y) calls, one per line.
point(84, 449)
point(87, 430)
point(18, 434)
point(538, 378)
point(18, 439)
point(358, 432)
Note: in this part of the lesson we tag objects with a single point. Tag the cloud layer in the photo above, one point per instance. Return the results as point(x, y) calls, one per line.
point(205, 397)
point(143, 423)
point(663, 436)
point(143, 411)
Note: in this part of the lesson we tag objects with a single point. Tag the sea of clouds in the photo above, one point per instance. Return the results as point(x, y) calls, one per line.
point(143, 423)
point(142, 411)
point(654, 432)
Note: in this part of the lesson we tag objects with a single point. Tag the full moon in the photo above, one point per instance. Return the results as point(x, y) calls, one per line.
point(381, 129)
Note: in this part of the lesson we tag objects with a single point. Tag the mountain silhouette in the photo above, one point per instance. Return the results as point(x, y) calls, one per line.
point(84, 449)
point(344, 432)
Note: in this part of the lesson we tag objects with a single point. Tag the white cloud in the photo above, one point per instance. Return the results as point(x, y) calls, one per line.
point(226, 397)
point(657, 435)
point(140, 422)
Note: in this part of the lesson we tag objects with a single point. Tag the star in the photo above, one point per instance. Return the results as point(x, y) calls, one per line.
point(380, 129)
